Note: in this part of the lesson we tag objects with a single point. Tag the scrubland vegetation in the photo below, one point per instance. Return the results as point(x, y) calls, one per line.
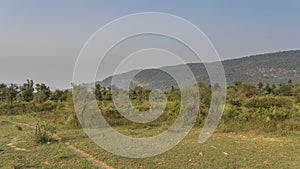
point(260, 127)
point(248, 107)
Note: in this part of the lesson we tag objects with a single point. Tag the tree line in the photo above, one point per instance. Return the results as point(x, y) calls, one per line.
point(29, 91)
point(265, 106)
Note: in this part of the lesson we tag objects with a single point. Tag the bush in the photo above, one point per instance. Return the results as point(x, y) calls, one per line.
point(19, 127)
point(44, 133)
point(47, 106)
point(291, 125)
point(269, 101)
point(73, 121)
point(231, 112)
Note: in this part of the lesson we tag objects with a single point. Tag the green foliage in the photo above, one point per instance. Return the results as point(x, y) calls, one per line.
point(19, 128)
point(139, 93)
point(46, 106)
point(59, 95)
point(263, 108)
point(285, 89)
point(43, 93)
point(106, 94)
point(73, 121)
point(44, 133)
point(26, 93)
point(269, 101)
point(174, 108)
point(12, 93)
point(231, 112)
point(98, 92)
point(260, 85)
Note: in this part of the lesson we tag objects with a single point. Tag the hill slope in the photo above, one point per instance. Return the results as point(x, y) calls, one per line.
point(273, 68)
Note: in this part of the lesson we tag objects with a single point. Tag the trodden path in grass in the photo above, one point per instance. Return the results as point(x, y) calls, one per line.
point(81, 153)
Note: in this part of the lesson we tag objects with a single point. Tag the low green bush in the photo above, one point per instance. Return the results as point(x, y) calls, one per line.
point(73, 121)
point(44, 133)
point(269, 101)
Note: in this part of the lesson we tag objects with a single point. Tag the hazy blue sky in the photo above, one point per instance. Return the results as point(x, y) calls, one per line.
point(40, 40)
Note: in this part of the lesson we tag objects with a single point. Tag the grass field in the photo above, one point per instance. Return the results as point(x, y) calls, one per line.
point(222, 150)
point(17, 150)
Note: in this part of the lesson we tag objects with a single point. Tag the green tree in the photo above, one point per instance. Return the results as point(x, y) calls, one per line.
point(26, 92)
point(43, 92)
point(268, 89)
point(98, 92)
point(138, 92)
point(247, 90)
point(297, 93)
point(3, 92)
point(12, 93)
point(274, 88)
point(106, 94)
point(285, 89)
point(238, 83)
point(59, 95)
point(260, 85)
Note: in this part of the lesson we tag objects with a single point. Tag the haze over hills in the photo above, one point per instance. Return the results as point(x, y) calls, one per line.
point(272, 68)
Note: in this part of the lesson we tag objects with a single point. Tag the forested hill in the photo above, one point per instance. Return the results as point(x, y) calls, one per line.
point(272, 68)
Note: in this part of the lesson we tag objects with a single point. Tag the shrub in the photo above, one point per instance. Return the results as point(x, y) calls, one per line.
point(73, 121)
point(174, 109)
point(291, 124)
point(47, 106)
point(231, 112)
point(19, 127)
point(269, 101)
point(44, 133)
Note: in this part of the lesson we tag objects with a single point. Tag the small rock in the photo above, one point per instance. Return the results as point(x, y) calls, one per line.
point(225, 153)
point(213, 147)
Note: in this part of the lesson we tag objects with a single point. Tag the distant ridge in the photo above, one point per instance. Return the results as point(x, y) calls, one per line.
point(272, 68)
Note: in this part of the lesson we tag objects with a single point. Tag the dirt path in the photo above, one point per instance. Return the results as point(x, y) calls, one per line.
point(79, 152)
point(12, 144)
